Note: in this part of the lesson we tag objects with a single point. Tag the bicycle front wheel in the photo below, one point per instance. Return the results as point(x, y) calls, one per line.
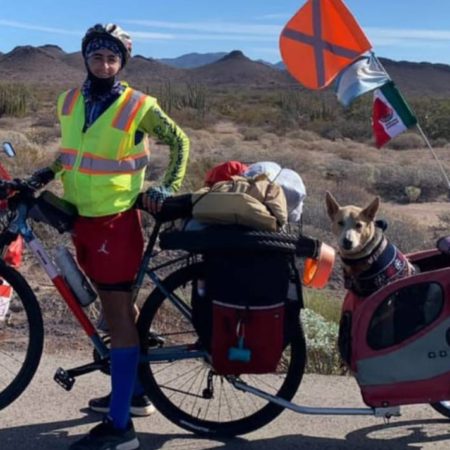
point(21, 334)
point(188, 391)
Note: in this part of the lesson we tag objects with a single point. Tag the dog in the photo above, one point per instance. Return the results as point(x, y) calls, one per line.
point(370, 261)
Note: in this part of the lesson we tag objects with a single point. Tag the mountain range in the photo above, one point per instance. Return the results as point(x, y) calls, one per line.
point(49, 64)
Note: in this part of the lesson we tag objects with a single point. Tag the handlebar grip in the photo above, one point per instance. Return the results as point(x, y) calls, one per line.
point(175, 207)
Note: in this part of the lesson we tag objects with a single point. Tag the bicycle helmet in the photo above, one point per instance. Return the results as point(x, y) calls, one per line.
point(112, 31)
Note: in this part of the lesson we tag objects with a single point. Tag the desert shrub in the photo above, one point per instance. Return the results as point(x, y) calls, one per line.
point(29, 155)
point(406, 141)
point(412, 193)
point(354, 129)
point(439, 142)
point(445, 219)
point(432, 114)
point(228, 141)
point(196, 174)
point(43, 135)
point(321, 338)
point(250, 134)
point(14, 100)
point(187, 103)
point(352, 194)
point(391, 182)
point(314, 213)
point(304, 135)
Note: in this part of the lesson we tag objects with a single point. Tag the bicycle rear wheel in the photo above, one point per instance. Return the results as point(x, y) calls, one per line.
point(21, 336)
point(187, 391)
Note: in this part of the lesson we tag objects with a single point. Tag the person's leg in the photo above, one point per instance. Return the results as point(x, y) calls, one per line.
point(109, 250)
point(120, 317)
point(117, 430)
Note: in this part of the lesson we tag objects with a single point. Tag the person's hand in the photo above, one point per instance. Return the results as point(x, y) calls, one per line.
point(40, 178)
point(154, 198)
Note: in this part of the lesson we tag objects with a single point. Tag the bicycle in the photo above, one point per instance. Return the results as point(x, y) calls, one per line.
point(175, 368)
point(168, 338)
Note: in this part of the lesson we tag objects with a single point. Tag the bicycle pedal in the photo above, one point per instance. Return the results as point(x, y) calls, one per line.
point(63, 378)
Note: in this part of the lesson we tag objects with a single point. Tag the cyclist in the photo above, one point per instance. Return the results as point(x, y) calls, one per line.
point(102, 162)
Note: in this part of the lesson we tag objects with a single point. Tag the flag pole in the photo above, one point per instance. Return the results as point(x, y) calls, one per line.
point(427, 142)
point(424, 137)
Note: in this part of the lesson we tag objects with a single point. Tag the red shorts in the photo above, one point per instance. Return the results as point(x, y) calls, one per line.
point(109, 249)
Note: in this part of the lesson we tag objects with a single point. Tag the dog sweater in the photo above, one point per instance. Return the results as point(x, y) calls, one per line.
point(382, 266)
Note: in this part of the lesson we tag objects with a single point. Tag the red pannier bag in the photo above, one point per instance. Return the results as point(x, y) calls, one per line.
point(246, 339)
point(248, 294)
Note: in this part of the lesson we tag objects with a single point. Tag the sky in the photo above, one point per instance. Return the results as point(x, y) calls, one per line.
point(412, 30)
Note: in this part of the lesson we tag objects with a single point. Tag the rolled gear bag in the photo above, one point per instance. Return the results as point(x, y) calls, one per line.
point(224, 172)
point(291, 182)
point(254, 202)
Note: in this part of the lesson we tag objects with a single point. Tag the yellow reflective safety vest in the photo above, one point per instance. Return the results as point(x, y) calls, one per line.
point(103, 169)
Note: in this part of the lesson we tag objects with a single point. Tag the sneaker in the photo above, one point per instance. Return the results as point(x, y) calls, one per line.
point(141, 406)
point(105, 437)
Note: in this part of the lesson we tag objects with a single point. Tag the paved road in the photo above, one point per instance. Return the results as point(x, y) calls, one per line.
point(46, 417)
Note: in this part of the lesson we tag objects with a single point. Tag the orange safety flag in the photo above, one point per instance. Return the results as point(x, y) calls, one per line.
point(321, 40)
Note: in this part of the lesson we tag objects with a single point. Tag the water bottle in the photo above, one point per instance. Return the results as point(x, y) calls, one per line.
point(77, 281)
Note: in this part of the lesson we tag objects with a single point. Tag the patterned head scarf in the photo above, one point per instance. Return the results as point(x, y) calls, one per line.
point(105, 43)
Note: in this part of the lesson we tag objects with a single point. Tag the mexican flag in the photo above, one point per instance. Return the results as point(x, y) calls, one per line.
point(391, 114)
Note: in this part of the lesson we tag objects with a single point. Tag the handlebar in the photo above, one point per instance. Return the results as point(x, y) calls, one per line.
point(173, 208)
point(7, 187)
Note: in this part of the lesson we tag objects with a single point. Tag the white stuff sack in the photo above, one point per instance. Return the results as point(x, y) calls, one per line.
point(290, 181)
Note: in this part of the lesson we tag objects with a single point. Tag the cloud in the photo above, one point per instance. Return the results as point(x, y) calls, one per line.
point(28, 26)
point(397, 35)
point(283, 16)
point(143, 36)
point(211, 27)
point(147, 36)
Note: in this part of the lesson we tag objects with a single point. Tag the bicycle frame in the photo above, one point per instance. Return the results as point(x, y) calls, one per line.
point(19, 225)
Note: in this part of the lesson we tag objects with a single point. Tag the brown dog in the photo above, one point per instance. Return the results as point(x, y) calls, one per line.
point(370, 261)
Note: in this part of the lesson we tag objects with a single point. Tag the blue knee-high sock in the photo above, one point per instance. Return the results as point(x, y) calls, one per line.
point(138, 388)
point(124, 362)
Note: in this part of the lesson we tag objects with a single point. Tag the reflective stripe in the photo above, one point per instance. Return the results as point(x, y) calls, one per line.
point(69, 101)
point(128, 111)
point(67, 157)
point(95, 165)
